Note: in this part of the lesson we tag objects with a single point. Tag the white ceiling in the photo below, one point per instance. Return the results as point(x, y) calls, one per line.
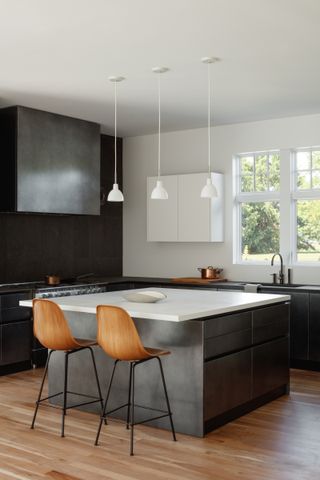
point(56, 55)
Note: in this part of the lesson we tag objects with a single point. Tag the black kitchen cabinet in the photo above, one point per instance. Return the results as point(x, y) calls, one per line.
point(314, 327)
point(299, 326)
point(15, 333)
point(270, 366)
point(246, 357)
point(39, 353)
point(299, 322)
point(227, 383)
point(16, 343)
point(269, 323)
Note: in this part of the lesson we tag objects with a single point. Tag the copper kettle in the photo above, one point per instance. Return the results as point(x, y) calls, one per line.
point(52, 279)
point(210, 272)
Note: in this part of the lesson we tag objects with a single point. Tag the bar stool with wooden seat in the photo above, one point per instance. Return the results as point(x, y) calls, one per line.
point(52, 330)
point(119, 338)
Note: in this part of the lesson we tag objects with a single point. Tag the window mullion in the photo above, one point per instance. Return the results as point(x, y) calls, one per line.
point(285, 206)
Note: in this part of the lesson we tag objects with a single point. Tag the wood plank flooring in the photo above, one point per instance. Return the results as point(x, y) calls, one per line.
point(279, 441)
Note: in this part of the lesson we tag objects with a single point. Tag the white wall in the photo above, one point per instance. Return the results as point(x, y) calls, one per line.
point(186, 152)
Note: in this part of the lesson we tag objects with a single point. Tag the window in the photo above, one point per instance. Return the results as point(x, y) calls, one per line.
point(306, 205)
point(307, 169)
point(258, 206)
point(260, 172)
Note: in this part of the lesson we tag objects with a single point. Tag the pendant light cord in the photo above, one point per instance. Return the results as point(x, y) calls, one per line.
point(115, 132)
point(159, 126)
point(209, 118)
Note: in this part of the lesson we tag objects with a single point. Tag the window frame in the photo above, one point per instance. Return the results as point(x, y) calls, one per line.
point(300, 194)
point(250, 197)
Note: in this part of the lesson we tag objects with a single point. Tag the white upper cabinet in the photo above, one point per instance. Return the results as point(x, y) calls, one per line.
point(193, 211)
point(162, 214)
point(185, 216)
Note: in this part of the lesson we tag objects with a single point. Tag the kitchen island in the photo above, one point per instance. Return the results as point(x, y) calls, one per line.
point(230, 354)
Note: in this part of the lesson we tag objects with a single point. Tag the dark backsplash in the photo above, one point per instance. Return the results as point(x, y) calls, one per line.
point(32, 246)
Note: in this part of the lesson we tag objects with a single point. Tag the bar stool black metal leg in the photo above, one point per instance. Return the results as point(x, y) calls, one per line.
point(106, 402)
point(65, 388)
point(167, 399)
point(98, 383)
point(41, 388)
point(129, 396)
point(132, 408)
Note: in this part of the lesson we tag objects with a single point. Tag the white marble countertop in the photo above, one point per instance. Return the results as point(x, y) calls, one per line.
point(180, 304)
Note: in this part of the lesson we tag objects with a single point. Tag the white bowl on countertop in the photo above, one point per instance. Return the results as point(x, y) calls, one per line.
point(147, 296)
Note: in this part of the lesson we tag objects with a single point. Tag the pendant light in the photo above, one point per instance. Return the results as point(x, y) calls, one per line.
point(209, 190)
point(159, 192)
point(115, 195)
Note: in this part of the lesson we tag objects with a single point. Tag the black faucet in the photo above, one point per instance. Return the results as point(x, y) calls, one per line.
point(281, 273)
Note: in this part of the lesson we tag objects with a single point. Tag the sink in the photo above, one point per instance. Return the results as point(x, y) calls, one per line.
point(310, 287)
point(282, 285)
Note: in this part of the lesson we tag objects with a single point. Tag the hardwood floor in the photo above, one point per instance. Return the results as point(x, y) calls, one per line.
point(279, 441)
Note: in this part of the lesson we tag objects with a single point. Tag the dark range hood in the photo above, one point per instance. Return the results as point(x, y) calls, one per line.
point(49, 163)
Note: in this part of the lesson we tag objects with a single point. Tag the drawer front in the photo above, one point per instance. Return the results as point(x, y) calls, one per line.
point(270, 322)
point(11, 300)
point(279, 328)
point(227, 383)
point(314, 327)
point(15, 314)
point(230, 342)
point(264, 316)
point(270, 366)
point(16, 342)
point(215, 327)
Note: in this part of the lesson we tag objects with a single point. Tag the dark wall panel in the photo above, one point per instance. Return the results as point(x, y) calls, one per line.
point(32, 246)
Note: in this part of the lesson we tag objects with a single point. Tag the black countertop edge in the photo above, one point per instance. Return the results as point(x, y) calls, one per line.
point(235, 285)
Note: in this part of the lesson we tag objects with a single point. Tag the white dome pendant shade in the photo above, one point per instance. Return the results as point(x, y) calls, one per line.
point(115, 195)
point(209, 190)
point(159, 192)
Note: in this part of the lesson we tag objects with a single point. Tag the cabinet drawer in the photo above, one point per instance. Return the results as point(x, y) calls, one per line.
point(314, 327)
point(270, 322)
point(279, 328)
point(230, 342)
point(270, 366)
point(264, 316)
point(227, 324)
point(15, 314)
point(227, 383)
point(11, 300)
point(15, 342)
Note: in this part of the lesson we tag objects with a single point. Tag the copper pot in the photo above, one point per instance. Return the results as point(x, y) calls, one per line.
point(52, 279)
point(210, 272)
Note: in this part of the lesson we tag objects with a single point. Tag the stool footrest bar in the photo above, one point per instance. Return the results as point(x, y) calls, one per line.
point(95, 400)
point(115, 409)
point(81, 404)
point(152, 418)
point(48, 398)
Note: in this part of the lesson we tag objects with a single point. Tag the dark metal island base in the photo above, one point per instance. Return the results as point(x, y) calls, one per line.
point(220, 367)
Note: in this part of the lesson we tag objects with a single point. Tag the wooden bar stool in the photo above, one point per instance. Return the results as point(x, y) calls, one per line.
point(52, 330)
point(119, 338)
